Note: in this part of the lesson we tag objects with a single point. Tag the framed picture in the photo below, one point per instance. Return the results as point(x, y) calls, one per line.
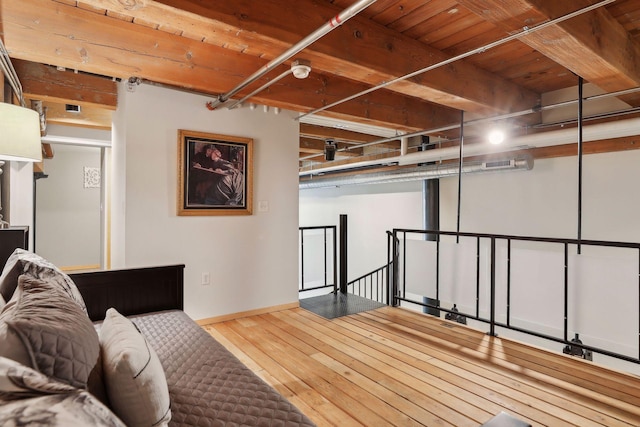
point(215, 174)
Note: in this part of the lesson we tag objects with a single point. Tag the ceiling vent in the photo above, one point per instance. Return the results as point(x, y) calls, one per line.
point(72, 108)
point(499, 164)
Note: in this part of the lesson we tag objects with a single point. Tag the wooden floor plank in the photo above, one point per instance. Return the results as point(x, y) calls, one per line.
point(331, 385)
point(391, 366)
point(595, 376)
point(510, 397)
point(541, 386)
point(387, 381)
point(538, 371)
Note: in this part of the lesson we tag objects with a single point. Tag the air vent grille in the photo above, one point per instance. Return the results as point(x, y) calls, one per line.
point(498, 164)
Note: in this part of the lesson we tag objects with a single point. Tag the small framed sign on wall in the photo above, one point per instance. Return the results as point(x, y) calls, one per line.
point(215, 174)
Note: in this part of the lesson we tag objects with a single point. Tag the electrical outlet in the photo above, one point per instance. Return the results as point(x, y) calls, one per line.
point(206, 279)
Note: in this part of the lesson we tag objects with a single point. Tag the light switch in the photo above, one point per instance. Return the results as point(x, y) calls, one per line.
point(263, 206)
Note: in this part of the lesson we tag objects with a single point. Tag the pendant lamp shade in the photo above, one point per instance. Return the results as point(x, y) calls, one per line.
point(19, 134)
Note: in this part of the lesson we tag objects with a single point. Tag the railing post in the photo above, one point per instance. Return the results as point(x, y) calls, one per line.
point(566, 292)
point(302, 257)
point(492, 329)
point(343, 254)
point(335, 261)
point(393, 270)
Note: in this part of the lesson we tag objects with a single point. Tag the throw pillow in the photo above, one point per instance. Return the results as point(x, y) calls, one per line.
point(12, 346)
point(58, 336)
point(28, 397)
point(135, 380)
point(25, 262)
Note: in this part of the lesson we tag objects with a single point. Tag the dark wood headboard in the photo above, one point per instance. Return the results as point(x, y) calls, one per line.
point(132, 291)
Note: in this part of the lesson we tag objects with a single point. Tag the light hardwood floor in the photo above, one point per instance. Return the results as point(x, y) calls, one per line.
point(392, 366)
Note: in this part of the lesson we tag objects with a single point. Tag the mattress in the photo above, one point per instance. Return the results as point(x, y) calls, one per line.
point(208, 385)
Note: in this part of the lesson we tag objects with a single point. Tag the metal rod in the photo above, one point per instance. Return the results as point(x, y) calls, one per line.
point(325, 256)
point(500, 117)
point(260, 89)
point(10, 74)
point(492, 327)
point(404, 265)
point(335, 260)
point(302, 257)
point(438, 270)
point(478, 277)
point(509, 282)
point(580, 103)
point(343, 254)
point(460, 173)
point(329, 26)
point(525, 32)
point(566, 292)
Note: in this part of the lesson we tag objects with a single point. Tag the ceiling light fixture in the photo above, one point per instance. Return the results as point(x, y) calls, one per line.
point(330, 147)
point(132, 83)
point(496, 136)
point(300, 68)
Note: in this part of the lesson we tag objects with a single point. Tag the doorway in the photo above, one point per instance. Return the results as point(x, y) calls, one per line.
point(68, 200)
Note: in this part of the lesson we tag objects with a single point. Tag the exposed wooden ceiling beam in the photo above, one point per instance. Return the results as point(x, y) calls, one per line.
point(316, 146)
point(343, 135)
point(592, 45)
point(79, 39)
point(46, 83)
point(375, 54)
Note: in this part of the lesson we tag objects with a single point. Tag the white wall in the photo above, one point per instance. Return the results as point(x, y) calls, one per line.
point(251, 259)
point(67, 213)
point(541, 202)
point(370, 210)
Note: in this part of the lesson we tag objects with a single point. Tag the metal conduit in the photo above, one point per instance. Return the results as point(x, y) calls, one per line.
point(500, 117)
point(525, 32)
point(564, 136)
point(417, 173)
point(10, 74)
point(260, 89)
point(333, 23)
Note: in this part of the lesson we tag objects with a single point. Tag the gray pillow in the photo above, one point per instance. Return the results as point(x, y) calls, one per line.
point(58, 336)
point(136, 384)
point(28, 397)
point(25, 262)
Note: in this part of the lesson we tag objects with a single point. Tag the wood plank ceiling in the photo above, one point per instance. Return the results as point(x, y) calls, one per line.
point(211, 47)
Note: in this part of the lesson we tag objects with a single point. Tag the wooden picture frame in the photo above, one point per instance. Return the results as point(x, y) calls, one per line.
point(215, 174)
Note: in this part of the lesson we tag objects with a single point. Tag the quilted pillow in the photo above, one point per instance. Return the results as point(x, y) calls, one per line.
point(25, 262)
point(136, 384)
point(12, 346)
point(28, 397)
point(59, 338)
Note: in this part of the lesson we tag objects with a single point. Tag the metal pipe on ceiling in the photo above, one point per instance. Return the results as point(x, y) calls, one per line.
point(10, 74)
point(505, 117)
point(545, 139)
point(525, 32)
point(329, 26)
point(260, 89)
point(421, 173)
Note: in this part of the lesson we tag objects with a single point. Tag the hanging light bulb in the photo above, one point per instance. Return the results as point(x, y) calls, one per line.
point(496, 136)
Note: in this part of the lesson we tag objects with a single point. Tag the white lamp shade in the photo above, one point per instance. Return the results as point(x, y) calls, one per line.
point(19, 134)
